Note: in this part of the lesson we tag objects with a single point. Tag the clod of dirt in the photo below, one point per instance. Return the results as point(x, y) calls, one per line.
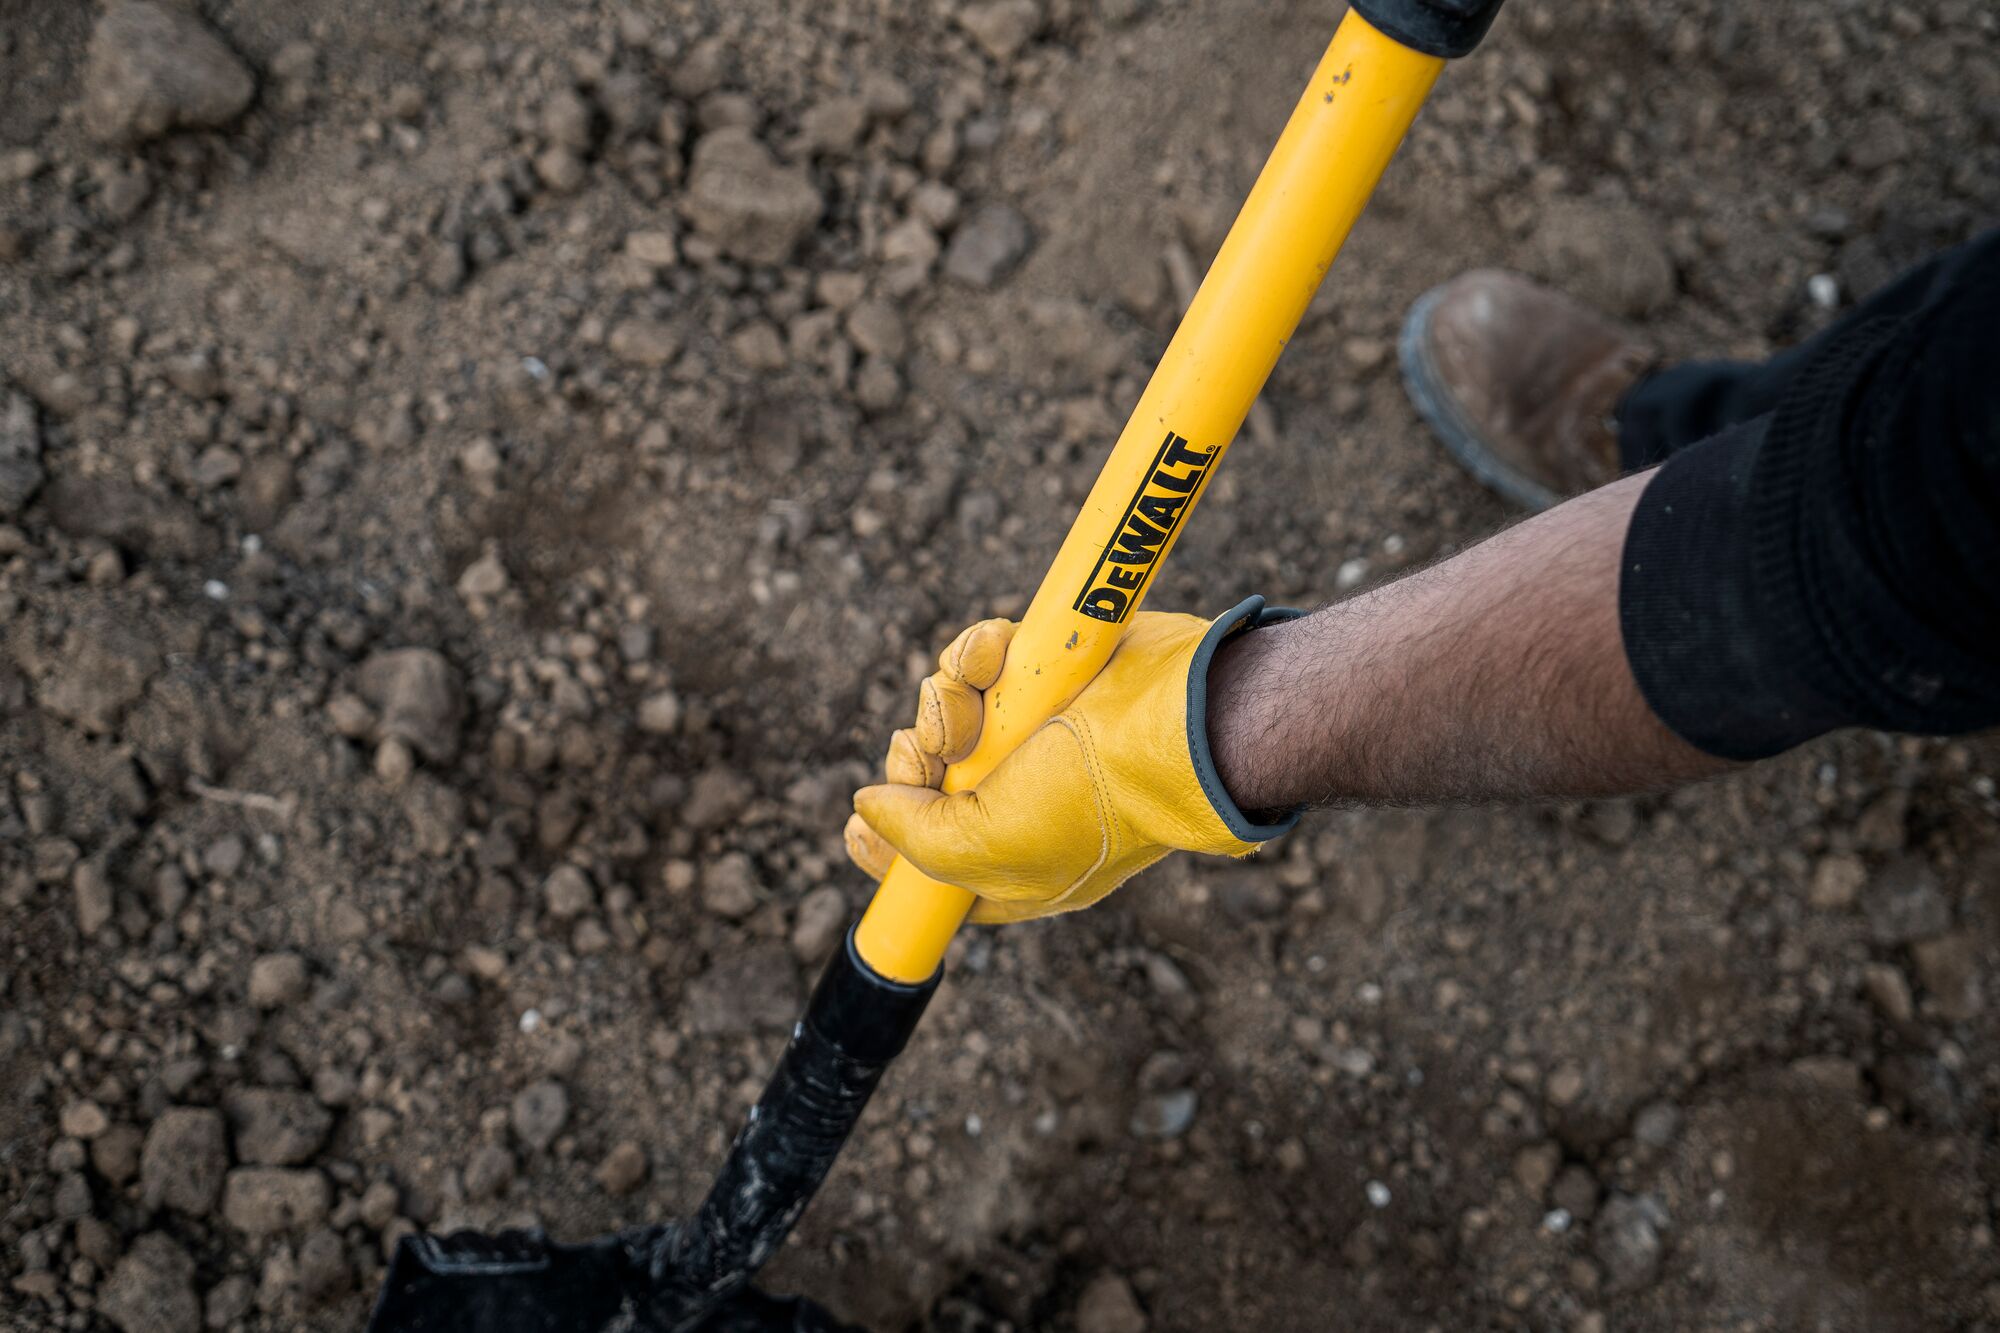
point(742, 991)
point(987, 246)
point(138, 520)
point(94, 903)
point(1949, 969)
point(323, 1271)
point(567, 892)
point(102, 671)
point(1001, 27)
point(741, 198)
point(622, 1168)
point(1904, 902)
point(1626, 1240)
point(263, 1200)
point(659, 713)
point(154, 68)
point(152, 1289)
point(415, 694)
point(488, 1173)
point(1608, 255)
point(277, 1126)
point(277, 980)
point(184, 1160)
point(539, 1112)
point(1108, 1306)
point(729, 887)
point(644, 342)
point(715, 797)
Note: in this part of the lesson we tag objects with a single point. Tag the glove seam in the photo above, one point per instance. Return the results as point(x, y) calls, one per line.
point(1080, 729)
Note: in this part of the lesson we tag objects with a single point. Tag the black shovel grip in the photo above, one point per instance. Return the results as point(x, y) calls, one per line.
point(1448, 28)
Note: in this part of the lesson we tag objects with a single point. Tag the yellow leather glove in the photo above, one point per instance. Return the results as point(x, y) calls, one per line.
point(1108, 786)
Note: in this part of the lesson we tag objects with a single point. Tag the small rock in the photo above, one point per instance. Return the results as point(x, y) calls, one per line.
point(1948, 967)
point(277, 1126)
point(644, 342)
point(21, 473)
point(1164, 1115)
point(1656, 1124)
point(729, 887)
point(484, 579)
point(660, 713)
point(152, 68)
point(1625, 1238)
point(379, 1203)
point(185, 1156)
point(834, 126)
point(715, 797)
point(277, 980)
point(115, 1153)
point(560, 169)
point(1575, 1191)
point(987, 246)
point(743, 991)
point(263, 1200)
point(92, 889)
point(568, 892)
point(739, 197)
point(1565, 1084)
point(622, 1169)
point(103, 670)
point(817, 928)
point(415, 694)
point(127, 516)
point(84, 1120)
point(152, 1289)
point(1836, 882)
point(1108, 1306)
point(657, 248)
point(229, 1301)
point(1535, 1167)
point(539, 1112)
point(1904, 902)
point(1890, 990)
point(1001, 27)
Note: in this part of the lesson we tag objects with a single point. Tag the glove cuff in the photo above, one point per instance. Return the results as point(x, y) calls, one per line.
point(1249, 614)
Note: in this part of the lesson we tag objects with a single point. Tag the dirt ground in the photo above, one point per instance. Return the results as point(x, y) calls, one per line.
point(480, 481)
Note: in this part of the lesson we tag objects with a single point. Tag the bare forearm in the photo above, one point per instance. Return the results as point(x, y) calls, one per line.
point(1498, 674)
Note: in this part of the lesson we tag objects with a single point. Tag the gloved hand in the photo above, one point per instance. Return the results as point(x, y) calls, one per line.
point(1108, 786)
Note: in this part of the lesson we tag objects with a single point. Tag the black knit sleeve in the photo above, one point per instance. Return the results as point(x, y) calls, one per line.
point(1835, 562)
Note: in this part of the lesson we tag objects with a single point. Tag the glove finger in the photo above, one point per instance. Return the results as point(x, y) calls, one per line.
point(976, 655)
point(943, 836)
point(948, 716)
point(994, 912)
point(866, 849)
point(907, 764)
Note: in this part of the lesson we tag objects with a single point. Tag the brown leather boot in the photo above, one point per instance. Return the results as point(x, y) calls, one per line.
point(1520, 383)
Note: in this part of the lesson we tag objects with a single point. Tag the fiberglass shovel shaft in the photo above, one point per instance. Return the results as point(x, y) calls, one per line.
point(1345, 128)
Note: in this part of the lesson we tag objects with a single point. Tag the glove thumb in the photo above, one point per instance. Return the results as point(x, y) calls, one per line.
point(944, 836)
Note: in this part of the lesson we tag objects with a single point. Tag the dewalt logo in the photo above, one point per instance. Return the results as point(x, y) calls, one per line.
point(1128, 559)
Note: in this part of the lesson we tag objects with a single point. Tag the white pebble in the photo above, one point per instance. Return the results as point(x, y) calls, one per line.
point(1556, 1221)
point(1824, 289)
point(537, 368)
point(531, 1019)
point(973, 1125)
point(215, 590)
point(1350, 573)
point(1378, 1194)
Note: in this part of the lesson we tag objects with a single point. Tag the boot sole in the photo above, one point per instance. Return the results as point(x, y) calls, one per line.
point(1441, 412)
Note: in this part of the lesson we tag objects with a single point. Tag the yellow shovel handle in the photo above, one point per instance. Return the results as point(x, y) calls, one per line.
point(1343, 132)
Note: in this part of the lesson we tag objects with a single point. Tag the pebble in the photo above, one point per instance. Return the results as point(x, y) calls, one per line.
point(987, 246)
point(277, 980)
point(1108, 1305)
point(715, 797)
point(568, 892)
point(739, 197)
point(539, 1112)
point(1164, 1115)
point(1890, 990)
point(152, 68)
point(1836, 882)
point(416, 698)
point(660, 713)
point(323, 1270)
point(84, 1120)
point(644, 342)
point(622, 1169)
point(92, 890)
point(488, 1173)
point(183, 1162)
